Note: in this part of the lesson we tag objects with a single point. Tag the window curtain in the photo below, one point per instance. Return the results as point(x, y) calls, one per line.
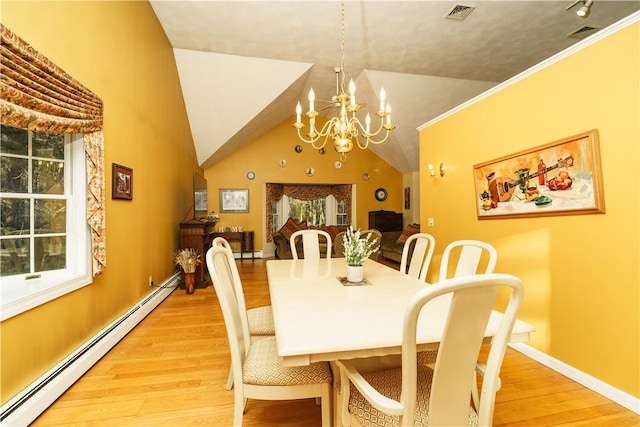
point(342, 192)
point(37, 95)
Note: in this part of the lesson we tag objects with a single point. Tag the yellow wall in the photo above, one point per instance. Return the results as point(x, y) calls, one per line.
point(580, 271)
point(262, 157)
point(119, 51)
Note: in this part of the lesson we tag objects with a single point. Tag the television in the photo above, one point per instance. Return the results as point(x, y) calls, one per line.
point(200, 199)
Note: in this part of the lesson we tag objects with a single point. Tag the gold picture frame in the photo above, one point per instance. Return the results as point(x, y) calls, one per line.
point(560, 178)
point(234, 200)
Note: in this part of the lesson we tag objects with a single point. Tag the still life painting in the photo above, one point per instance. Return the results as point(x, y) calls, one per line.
point(559, 178)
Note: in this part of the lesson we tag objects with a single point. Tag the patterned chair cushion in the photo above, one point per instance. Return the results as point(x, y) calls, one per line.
point(389, 383)
point(263, 366)
point(261, 321)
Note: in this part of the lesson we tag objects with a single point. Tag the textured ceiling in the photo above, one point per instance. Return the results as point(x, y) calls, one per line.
point(244, 65)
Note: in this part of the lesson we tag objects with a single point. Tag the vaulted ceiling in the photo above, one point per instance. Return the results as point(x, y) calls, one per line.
point(244, 65)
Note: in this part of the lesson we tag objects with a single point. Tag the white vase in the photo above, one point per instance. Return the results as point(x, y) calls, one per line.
point(355, 273)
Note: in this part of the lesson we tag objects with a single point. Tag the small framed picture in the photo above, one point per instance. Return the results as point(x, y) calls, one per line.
point(122, 185)
point(234, 200)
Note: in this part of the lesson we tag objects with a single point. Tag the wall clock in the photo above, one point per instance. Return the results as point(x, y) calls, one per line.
point(251, 175)
point(381, 194)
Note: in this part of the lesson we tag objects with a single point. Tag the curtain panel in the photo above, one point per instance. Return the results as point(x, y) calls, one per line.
point(342, 192)
point(37, 95)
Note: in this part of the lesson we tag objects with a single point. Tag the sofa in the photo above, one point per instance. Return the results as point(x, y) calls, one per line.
point(393, 242)
point(281, 238)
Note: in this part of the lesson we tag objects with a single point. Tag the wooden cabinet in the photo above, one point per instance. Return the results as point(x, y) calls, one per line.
point(385, 220)
point(240, 241)
point(198, 235)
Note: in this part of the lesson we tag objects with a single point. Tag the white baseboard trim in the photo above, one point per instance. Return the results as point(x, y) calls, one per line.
point(618, 396)
point(36, 398)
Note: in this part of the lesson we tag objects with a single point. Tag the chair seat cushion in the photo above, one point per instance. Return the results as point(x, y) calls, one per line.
point(261, 321)
point(263, 366)
point(389, 383)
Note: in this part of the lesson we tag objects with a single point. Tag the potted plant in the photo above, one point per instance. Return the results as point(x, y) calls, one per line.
point(188, 259)
point(356, 251)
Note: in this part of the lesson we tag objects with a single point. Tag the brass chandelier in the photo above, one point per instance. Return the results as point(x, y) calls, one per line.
point(345, 129)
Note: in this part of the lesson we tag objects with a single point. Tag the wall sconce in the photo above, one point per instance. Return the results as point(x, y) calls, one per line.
point(584, 10)
point(432, 172)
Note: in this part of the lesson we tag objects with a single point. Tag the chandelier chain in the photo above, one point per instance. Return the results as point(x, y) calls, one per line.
point(342, 44)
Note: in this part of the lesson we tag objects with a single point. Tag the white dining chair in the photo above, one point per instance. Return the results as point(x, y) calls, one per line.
point(258, 370)
point(259, 319)
point(417, 395)
point(416, 255)
point(463, 258)
point(310, 243)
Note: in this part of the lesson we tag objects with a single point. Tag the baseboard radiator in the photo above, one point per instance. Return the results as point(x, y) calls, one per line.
point(36, 398)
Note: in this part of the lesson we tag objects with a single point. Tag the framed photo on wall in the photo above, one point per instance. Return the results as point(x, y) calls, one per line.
point(122, 182)
point(234, 200)
point(559, 178)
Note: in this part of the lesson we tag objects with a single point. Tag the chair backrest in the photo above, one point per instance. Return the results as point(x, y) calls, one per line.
point(310, 243)
point(472, 300)
point(226, 282)
point(338, 244)
point(239, 292)
point(221, 241)
point(470, 256)
point(420, 246)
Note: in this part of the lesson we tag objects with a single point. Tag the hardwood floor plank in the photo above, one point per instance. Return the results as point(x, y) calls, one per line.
point(171, 370)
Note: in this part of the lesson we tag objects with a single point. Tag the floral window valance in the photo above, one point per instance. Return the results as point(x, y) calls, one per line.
point(37, 95)
point(341, 192)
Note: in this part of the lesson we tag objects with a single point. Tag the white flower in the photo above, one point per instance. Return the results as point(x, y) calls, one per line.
point(357, 250)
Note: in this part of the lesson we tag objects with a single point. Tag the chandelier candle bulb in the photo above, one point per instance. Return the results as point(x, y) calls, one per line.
point(298, 113)
point(312, 97)
point(383, 98)
point(352, 92)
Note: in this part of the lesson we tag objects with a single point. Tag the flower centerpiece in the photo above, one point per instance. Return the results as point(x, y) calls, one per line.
point(356, 251)
point(188, 259)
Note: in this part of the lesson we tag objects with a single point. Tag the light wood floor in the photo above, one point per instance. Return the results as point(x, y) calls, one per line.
point(171, 371)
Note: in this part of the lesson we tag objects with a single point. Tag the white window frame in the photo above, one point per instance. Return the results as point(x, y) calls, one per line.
point(22, 292)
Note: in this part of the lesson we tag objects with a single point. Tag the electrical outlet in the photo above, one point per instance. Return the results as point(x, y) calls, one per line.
point(431, 222)
point(150, 281)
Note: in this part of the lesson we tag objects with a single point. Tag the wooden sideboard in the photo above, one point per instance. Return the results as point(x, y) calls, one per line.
point(385, 220)
point(198, 235)
point(240, 241)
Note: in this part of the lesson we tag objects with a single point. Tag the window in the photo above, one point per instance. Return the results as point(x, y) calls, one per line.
point(312, 211)
point(44, 239)
point(341, 213)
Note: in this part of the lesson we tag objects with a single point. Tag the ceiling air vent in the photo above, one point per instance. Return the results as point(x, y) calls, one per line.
point(583, 32)
point(459, 12)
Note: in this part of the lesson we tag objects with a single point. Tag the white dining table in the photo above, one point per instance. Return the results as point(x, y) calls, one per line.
point(318, 318)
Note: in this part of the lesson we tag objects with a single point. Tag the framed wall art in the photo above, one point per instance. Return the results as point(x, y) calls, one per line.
point(122, 182)
point(559, 178)
point(234, 200)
